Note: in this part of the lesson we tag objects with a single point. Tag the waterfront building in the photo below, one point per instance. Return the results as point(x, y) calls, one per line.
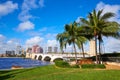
point(34, 48)
point(39, 50)
point(18, 50)
point(49, 49)
point(92, 48)
point(29, 50)
point(55, 49)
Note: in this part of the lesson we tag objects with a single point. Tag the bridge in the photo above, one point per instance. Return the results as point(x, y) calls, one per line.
point(52, 57)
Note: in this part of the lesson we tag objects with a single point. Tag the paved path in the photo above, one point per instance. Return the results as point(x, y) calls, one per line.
point(109, 66)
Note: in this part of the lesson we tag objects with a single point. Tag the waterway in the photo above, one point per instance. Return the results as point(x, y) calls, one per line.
point(7, 63)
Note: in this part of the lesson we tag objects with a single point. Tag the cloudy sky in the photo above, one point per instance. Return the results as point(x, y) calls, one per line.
point(29, 22)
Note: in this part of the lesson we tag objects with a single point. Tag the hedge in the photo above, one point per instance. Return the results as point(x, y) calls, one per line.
point(92, 66)
point(62, 64)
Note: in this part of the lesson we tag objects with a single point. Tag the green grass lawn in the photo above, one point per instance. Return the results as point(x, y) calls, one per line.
point(52, 73)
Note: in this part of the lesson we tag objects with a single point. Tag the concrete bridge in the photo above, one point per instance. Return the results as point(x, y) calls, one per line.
point(52, 57)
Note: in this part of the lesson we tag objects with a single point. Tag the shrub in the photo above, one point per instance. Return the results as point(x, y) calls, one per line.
point(58, 59)
point(92, 66)
point(75, 66)
point(102, 66)
point(62, 64)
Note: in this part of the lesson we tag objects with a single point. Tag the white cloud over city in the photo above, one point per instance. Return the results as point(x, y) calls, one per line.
point(7, 7)
point(36, 40)
point(8, 44)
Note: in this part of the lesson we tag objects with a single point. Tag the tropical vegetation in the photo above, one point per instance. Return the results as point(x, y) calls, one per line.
point(96, 26)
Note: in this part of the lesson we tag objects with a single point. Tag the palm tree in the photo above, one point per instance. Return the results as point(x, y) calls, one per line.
point(69, 36)
point(72, 38)
point(81, 38)
point(61, 38)
point(99, 24)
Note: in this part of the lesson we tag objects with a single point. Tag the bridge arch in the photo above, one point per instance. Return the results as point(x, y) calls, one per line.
point(40, 57)
point(35, 57)
point(47, 58)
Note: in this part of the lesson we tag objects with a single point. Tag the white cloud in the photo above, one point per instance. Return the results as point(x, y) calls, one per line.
point(7, 7)
point(27, 5)
point(27, 25)
point(24, 16)
point(2, 37)
point(112, 45)
point(41, 3)
point(8, 45)
point(34, 40)
point(52, 43)
point(110, 8)
point(50, 36)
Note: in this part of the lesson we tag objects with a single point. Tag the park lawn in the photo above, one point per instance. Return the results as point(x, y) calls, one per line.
point(52, 73)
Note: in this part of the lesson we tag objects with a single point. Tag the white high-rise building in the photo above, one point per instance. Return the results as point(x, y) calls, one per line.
point(92, 48)
point(49, 49)
point(55, 49)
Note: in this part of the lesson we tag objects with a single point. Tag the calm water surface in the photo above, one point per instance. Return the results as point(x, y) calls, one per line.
point(7, 63)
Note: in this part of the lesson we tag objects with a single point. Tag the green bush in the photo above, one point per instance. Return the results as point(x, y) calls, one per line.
point(58, 59)
point(75, 66)
point(62, 64)
point(102, 66)
point(92, 66)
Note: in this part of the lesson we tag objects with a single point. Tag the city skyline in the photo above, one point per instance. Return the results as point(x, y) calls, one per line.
point(30, 22)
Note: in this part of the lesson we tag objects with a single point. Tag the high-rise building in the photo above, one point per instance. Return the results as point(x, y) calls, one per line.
point(29, 50)
point(49, 49)
point(55, 49)
point(92, 47)
point(18, 49)
point(37, 49)
point(34, 48)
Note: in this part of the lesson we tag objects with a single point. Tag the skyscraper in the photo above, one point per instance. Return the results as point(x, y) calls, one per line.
point(37, 49)
point(49, 49)
point(55, 49)
point(18, 49)
point(92, 47)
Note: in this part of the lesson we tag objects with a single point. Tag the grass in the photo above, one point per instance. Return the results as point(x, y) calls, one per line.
point(52, 73)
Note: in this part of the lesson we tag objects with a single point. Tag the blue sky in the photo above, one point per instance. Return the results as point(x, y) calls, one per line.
point(29, 22)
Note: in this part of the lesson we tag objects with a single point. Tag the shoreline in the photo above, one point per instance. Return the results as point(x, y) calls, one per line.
point(11, 57)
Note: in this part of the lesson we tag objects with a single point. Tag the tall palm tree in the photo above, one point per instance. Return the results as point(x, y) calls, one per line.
point(70, 36)
point(98, 23)
point(82, 38)
point(61, 38)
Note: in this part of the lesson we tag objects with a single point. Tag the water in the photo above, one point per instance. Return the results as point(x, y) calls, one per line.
point(7, 63)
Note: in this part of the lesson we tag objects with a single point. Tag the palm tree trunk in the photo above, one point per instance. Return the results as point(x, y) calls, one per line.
point(96, 49)
point(82, 50)
point(75, 53)
point(99, 52)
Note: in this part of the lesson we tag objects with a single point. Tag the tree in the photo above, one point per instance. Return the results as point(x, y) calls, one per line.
point(81, 38)
point(99, 25)
point(61, 38)
point(69, 36)
point(72, 38)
